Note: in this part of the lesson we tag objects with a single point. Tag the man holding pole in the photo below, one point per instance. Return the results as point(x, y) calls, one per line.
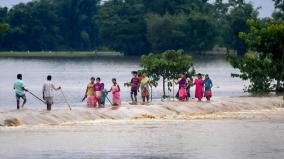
point(47, 92)
point(20, 91)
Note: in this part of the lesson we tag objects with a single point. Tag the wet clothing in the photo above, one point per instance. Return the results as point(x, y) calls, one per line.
point(134, 92)
point(19, 88)
point(208, 85)
point(116, 95)
point(22, 96)
point(145, 87)
point(48, 88)
point(182, 89)
point(104, 95)
point(208, 93)
point(91, 99)
point(90, 89)
point(135, 81)
point(49, 100)
point(98, 88)
point(199, 84)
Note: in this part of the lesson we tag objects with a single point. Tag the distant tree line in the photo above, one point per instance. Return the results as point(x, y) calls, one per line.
point(134, 27)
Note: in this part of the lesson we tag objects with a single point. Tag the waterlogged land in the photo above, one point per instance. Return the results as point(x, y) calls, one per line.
point(227, 128)
point(59, 54)
point(223, 108)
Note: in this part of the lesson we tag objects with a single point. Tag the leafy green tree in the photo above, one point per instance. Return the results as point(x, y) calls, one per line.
point(166, 66)
point(122, 26)
point(4, 27)
point(257, 68)
point(37, 33)
point(194, 33)
point(235, 23)
point(165, 32)
point(268, 38)
point(279, 13)
point(75, 21)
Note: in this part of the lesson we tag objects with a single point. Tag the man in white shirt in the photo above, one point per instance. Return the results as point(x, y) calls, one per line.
point(47, 92)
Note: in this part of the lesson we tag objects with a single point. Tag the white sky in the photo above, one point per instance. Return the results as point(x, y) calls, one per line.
point(266, 10)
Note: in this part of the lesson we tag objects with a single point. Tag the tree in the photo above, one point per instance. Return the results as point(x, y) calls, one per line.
point(122, 27)
point(279, 13)
point(268, 38)
point(236, 22)
point(166, 66)
point(192, 33)
point(165, 32)
point(257, 68)
point(75, 20)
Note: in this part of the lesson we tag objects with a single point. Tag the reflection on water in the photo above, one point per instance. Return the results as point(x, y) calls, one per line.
point(73, 75)
point(198, 139)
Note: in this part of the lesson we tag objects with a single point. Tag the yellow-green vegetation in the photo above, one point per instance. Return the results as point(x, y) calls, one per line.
point(60, 54)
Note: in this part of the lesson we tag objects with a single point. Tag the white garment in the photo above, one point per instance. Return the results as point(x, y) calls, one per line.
point(48, 89)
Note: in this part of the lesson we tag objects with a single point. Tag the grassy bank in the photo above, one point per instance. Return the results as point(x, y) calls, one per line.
point(58, 54)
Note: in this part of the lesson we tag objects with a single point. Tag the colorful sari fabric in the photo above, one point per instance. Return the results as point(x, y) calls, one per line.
point(199, 84)
point(98, 87)
point(91, 99)
point(116, 95)
point(182, 89)
point(104, 94)
point(144, 84)
point(208, 84)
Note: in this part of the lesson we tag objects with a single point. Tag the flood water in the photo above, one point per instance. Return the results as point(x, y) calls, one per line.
point(198, 139)
point(73, 76)
point(128, 139)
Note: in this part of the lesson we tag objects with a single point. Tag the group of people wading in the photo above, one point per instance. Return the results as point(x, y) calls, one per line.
point(202, 87)
point(96, 93)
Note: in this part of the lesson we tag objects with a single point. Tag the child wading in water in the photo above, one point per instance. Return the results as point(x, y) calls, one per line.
point(199, 83)
point(145, 88)
point(208, 85)
point(98, 88)
point(135, 83)
point(115, 89)
point(182, 87)
point(90, 94)
point(189, 83)
point(104, 95)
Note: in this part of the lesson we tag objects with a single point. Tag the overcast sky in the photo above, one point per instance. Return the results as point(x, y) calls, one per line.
point(266, 5)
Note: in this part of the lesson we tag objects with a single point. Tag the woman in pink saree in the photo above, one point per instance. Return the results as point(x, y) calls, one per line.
point(199, 84)
point(115, 89)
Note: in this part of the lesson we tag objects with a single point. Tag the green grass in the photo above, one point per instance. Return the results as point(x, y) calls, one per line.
point(59, 54)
